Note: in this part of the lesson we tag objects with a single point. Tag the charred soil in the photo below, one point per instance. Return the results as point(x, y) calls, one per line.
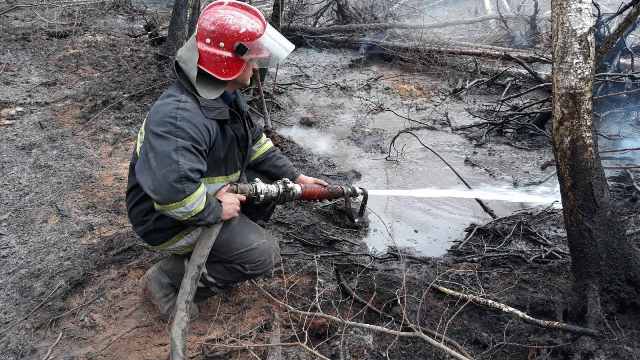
point(75, 89)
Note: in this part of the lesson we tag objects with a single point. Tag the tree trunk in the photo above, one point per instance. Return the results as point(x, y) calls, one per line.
point(603, 259)
point(182, 24)
point(276, 14)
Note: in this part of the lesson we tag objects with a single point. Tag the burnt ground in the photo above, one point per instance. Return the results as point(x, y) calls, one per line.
point(75, 88)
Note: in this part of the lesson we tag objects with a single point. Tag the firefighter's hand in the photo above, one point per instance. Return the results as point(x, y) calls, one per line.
point(230, 203)
point(304, 179)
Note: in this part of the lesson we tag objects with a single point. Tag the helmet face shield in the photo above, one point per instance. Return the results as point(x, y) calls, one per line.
point(268, 50)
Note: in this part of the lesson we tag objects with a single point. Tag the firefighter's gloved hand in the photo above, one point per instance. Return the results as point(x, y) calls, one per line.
point(230, 203)
point(304, 179)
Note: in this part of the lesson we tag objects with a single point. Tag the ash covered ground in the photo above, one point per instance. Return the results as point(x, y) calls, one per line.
point(74, 92)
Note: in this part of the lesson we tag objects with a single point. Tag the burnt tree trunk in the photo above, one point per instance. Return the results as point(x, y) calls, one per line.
point(276, 14)
point(182, 24)
point(604, 262)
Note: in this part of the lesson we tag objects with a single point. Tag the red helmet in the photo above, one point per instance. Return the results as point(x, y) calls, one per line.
point(229, 34)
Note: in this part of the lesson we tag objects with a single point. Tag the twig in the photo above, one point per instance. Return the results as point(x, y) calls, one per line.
point(46, 356)
point(381, 329)
point(484, 207)
point(517, 313)
point(355, 296)
point(3, 332)
point(265, 110)
point(528, 68)
point(59, 4)
point(619, 150)
point(248, 346)
point(622, 167)
point(74, 309)
point(49, 21)
point(88, 122)
point(539, 86)
point(618, 33)
point(633, 182)
point(626, 92)
point(542, 181)
point(122, 249)
point(126, 332)
point(506, 90)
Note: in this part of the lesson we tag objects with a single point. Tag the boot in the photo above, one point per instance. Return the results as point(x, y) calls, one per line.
point(161, 283)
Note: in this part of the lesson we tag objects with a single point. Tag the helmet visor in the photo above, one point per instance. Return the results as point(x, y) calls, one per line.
point(269, 50)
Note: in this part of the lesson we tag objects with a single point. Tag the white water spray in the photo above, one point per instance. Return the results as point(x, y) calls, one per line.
point(537, 196)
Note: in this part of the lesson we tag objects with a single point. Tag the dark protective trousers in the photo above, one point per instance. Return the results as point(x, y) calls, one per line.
point(243, 250)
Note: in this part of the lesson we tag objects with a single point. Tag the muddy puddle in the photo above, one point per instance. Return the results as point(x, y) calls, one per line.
point(351, 113)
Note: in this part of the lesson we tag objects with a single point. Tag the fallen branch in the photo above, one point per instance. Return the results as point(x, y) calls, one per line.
point(539, 78)
point(343, 284)
point(368, 304)
point(381, 329)
point(622, 167)
point(289, 344)
point(51, 4)
point(123, 334)
point(633, 181)
point(48, 354)
point(71, 311)
point(179, 328)
point(626, 92)
point(537, 87)
point(517, 313)
point(619, 150)
point(419, 50)
point(265, 111)
point(618, 33)
point(354, 28)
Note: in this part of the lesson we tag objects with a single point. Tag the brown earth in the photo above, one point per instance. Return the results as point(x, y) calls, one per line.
point(71, 263)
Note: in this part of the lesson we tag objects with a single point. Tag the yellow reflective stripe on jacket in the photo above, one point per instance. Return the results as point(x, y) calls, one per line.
point(140, 137)
point(260, 147)
point(214, 184)
point(187, 207)
point(182, 243)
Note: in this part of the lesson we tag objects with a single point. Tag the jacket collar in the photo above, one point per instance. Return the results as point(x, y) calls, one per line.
point(217, 109)
point(211, 108)
point(214, 108)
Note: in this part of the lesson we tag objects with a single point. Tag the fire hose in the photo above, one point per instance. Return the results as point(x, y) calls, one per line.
point(283, 191)
point(258, 192)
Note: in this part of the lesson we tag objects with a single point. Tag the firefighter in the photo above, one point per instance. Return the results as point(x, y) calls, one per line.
point(197, 137)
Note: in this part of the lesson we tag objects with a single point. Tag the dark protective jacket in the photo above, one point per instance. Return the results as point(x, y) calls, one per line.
point(187, 148)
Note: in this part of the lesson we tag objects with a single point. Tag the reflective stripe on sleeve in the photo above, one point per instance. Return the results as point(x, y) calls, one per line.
point(140, 139)
point(214, 184)
point(187, 207)
point(260, 147)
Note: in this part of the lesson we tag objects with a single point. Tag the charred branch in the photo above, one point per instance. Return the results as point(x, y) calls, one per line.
point(518, 313)
point(363, 28)
point(421, 50)
point(618, 34)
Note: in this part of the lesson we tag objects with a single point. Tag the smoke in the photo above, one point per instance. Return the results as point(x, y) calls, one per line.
point(311, 139)
point(616, 93)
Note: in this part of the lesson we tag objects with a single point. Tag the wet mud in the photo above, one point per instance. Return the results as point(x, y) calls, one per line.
point(71, 102)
